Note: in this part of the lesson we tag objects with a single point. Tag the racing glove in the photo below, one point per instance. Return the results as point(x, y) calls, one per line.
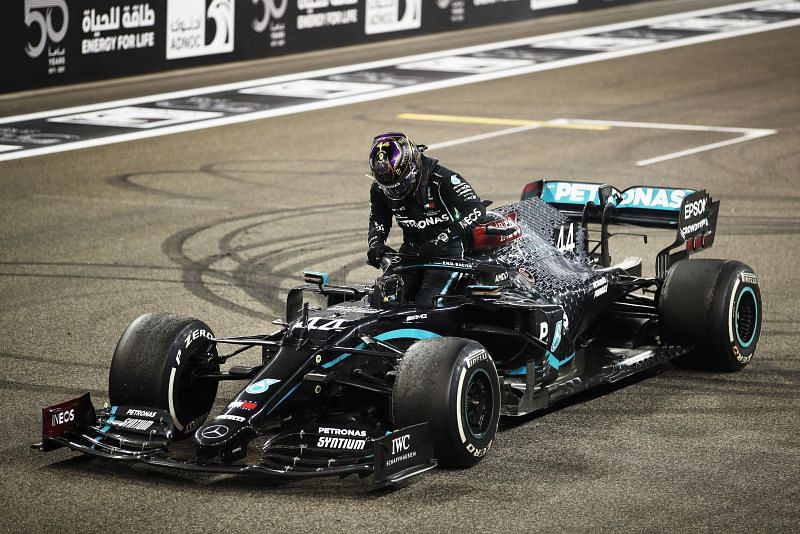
point(375, 253)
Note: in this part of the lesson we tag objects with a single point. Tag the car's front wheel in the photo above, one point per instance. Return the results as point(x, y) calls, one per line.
point(451, 383)
point(156, 363)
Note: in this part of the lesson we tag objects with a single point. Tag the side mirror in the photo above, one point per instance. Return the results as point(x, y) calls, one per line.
point(484, 292)
point(315, 277)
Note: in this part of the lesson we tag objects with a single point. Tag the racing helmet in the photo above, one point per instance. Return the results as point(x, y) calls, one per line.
point(395, 162)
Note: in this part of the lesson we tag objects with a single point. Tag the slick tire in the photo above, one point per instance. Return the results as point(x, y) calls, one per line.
point(715, 306)
point(452, 384)
point(155, 363)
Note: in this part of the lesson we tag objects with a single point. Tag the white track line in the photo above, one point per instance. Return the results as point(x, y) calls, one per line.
point(481, 137)
point(746, 134)
point(704, 148)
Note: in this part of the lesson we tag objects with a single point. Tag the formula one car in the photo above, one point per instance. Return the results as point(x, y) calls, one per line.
point(374, 384)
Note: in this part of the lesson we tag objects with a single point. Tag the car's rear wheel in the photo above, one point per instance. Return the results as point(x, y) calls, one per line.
point(451, 383)
point(156, 363)
point(715, 306)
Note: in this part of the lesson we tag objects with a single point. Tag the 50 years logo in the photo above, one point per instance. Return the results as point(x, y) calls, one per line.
point(273, 10)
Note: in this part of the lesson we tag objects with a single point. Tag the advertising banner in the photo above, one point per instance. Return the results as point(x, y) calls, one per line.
point(53, 42)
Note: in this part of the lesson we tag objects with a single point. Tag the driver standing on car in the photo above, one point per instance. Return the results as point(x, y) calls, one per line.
point(435, 207)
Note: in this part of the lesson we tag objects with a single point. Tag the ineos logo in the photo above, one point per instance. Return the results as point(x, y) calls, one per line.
point(273, 9)
point(214, 432)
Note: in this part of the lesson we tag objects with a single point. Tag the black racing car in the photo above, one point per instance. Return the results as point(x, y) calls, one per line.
point(372, 386)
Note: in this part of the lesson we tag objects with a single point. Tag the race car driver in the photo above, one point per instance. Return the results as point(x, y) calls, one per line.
point(434, 206)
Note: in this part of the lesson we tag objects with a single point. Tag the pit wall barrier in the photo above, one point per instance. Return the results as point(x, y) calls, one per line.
point(45, 43)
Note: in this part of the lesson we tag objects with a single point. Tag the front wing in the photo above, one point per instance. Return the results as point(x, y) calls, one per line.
point(144, 434)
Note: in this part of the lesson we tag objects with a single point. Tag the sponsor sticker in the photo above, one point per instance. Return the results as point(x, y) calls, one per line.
point(199, 28)
point(115, 18)
point(319, 15)
point(215, 432)
point(693, 216)
point(50, 31)
point(384, 16)
point(256, 388)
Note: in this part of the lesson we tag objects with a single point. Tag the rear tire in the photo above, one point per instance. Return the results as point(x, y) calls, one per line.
point(154, 364)
point(714, 305)
point(452, 384)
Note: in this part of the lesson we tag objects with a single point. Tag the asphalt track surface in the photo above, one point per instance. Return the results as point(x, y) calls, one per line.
point(219, 223)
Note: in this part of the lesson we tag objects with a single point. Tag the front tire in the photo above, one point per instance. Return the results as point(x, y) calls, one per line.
point(714, 305)
point(451, 383)
point(155, 363)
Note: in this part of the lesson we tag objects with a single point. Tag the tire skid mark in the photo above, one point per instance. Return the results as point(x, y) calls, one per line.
point(199, 251)
point(272, 167)
point(54, 361)
point(49, 388)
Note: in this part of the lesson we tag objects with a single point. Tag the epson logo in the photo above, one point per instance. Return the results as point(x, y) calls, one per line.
point(693, 209)
point(63, 417)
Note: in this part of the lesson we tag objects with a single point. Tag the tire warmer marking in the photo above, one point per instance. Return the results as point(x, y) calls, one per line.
point(458, 396)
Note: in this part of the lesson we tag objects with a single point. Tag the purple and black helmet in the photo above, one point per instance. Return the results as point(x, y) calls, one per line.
point(395, 162)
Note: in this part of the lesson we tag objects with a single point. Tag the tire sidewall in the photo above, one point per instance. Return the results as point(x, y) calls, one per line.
point(189, 350)
point(473, 363)
point(732, 290)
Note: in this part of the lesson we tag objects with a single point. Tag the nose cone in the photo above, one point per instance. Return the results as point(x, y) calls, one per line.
point(222, 431)
point(214, 433)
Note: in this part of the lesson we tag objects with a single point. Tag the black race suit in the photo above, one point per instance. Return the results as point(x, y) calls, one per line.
point(436, 219)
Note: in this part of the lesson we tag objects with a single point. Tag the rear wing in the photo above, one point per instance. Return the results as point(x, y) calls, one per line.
point(692, 213)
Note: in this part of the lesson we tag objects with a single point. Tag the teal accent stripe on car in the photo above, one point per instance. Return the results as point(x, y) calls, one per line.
point(402, 333)
point(294, 388)
point(755, 323)
point(555, 362)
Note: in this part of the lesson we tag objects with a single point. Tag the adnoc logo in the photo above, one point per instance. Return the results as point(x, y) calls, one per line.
point(261, 386)
point(384, 16)
point(186, 28)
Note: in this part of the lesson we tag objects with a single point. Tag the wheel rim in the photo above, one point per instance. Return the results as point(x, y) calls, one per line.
point(478, 403)
point(746, 317)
